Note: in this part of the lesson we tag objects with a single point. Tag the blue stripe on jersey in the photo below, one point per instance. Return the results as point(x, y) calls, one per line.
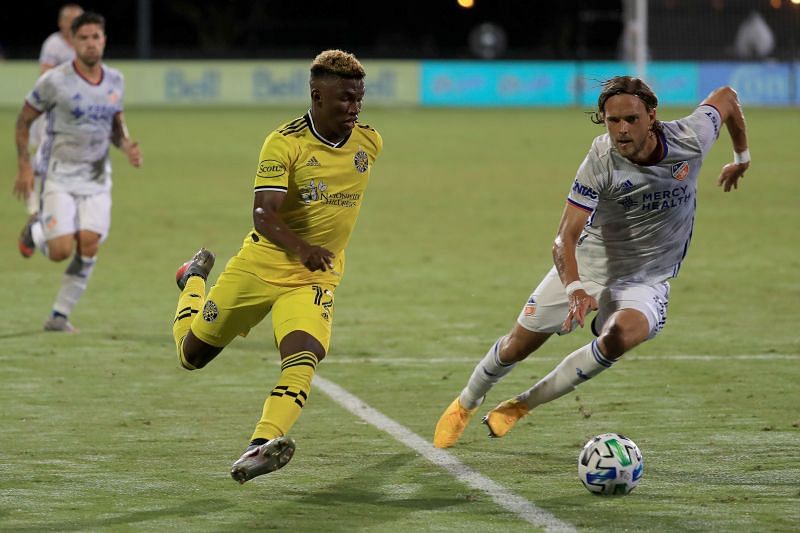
point(579, 206)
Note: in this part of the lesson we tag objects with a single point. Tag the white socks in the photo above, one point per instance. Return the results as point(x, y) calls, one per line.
point(39, 240)
point(73, 284)
point(486, 374)
point(579, 366)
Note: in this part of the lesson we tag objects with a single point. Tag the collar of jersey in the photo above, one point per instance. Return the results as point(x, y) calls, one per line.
point(322, 139)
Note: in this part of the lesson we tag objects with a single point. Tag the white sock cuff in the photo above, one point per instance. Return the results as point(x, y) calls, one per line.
point(598, 355)
point(496, 352)
point(39, 240)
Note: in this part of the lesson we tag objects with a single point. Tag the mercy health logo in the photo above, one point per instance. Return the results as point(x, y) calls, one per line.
point(584, 190)
point(666, 199)
point(317, 191)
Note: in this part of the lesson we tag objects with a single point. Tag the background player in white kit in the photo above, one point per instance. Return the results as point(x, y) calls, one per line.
point(56, 49)
point(624, 232)
point(83, 105)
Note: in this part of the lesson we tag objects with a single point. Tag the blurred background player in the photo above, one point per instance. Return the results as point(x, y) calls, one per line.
point(624, 232)
point(56, 49)
point(309, 186)
point(82, 101)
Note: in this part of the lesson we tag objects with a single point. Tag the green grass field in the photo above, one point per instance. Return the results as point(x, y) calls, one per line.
point(102, 431)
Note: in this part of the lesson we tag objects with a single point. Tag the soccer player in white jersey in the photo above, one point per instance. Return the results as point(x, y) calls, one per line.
point(624, 232)
point(82, 101)
point(56, 49)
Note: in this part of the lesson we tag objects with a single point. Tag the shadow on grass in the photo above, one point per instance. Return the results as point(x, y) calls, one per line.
point(365, 498)
point(21, 334)
point(191, 508)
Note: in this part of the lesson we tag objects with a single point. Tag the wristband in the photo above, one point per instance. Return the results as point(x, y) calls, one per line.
point(741, 157)
point(574, 286)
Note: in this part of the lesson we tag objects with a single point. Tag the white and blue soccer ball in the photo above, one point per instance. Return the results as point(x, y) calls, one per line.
point(610, 464)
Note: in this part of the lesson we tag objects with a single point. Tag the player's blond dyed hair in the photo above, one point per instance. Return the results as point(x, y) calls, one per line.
point(337, 63)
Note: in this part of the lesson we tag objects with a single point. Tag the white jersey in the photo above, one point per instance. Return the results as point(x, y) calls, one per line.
point(74, 154)
point(642, 216)
point(56, 50)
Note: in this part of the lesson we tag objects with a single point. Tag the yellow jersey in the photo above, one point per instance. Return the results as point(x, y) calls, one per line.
point(324, 184)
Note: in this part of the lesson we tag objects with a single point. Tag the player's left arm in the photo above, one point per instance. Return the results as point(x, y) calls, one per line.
point(726, 102)
point(121, 139)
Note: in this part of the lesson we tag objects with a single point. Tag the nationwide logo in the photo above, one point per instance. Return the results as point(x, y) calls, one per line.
point(313, 162)
point(317, 191)
point(680, 170)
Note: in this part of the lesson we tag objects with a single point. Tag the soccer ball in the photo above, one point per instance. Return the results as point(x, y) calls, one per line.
point(610, 464)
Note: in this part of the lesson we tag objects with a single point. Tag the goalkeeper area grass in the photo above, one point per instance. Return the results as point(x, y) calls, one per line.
point(103, 431)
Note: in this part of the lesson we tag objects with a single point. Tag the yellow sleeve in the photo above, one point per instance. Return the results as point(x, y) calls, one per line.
point(375, 144)
point(275, 163)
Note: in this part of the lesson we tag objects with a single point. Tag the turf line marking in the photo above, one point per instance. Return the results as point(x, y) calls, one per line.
point(413, 361)
point(501, 496)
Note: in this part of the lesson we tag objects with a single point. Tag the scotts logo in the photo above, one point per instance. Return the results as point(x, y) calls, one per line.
point(680, 170)
point(269, 168)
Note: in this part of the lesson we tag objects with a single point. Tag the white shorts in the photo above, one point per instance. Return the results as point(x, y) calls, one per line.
point(547, 308)
point(64, 213)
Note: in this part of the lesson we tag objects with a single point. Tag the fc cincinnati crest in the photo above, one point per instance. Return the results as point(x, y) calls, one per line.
point(210, 311)
point(361, 160)
point(680, 170)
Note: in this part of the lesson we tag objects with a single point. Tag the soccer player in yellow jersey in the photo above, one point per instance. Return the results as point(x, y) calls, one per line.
point(309, 186)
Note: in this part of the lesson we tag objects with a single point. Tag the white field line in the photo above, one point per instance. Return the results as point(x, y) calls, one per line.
point(502, 496)
point(414, 361)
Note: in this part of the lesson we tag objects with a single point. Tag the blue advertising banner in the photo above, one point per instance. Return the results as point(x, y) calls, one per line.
point(675, 83)
point(500, 83)
point(756, 83)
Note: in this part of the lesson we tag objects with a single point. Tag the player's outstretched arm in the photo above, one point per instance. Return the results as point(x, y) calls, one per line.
point(726, 101)
point(573, 220)
point(268, 222)
point(23, 185)
point(121, 139)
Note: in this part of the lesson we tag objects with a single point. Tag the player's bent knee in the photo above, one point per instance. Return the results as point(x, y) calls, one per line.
point(196, 354)
point(622, 334)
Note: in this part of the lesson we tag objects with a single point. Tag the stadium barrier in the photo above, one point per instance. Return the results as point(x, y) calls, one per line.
point(427, 83)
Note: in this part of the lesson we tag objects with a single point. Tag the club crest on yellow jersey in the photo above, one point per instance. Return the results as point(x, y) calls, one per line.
point(210, 311)
point(361, 160)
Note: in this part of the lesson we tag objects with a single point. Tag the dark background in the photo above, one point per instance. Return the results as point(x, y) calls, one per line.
point(429, 29)
point(296, 28)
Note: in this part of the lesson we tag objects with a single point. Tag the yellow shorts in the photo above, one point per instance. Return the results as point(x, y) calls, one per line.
point(240, 300)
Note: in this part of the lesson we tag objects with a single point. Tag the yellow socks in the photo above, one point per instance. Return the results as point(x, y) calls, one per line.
point(283, 405)
point(190, 303)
